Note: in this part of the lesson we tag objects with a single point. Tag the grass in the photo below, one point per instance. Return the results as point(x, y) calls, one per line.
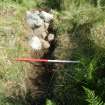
point(12, 46)
point(86, 32)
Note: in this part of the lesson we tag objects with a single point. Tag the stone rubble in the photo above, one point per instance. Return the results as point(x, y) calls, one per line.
point(35, 43)
point(46, 16)
point(45, 44)
point(39, 22)
point(50, 37)
point(33, 20)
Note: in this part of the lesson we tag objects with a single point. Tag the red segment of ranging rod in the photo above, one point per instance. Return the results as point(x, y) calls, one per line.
point(31, 60)
point(45, 60)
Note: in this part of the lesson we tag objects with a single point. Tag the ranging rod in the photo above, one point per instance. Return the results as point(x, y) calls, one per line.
point(45, 60)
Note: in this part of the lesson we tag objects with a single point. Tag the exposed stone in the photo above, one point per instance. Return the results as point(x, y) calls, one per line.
point(46, 16)
point(33, 20)
point(50, 37)
point(38, 31)
point(45, 44)
point(46, 25)
point(35, 43)
point(44, 35)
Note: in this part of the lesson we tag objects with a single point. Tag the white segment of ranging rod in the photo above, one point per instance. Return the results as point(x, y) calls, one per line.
point(63, 61)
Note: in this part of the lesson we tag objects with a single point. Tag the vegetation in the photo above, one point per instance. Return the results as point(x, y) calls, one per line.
point(92, 99)
point(80, 30)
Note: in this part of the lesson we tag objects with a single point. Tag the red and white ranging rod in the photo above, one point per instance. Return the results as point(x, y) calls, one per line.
point(45, 60)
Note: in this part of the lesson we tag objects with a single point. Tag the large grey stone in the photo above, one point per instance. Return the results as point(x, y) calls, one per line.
point(45, 44)
point(46, 16)
point(35, 43)
point(33, 20)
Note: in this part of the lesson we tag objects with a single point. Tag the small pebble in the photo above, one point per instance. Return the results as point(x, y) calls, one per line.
point(50, 37)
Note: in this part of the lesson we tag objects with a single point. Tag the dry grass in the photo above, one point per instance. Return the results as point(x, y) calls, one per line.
point(12, 45)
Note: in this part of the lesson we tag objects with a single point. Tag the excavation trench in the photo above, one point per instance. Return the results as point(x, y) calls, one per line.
point(40, 77)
